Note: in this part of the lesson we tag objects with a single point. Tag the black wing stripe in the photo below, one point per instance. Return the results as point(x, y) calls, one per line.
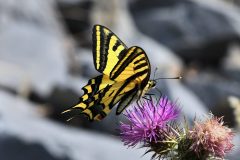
point(124, 65)
point(101, 37)
point(94, 47)
point(96, 109)
point(142, 59)
point(93, 84)
point(126, 83)
point(128, 97)
point(104, 55)
point(116, 45)
point(111, 93)
point(140, 66)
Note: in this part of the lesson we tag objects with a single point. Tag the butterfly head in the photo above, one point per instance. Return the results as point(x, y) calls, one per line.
point(151, 84)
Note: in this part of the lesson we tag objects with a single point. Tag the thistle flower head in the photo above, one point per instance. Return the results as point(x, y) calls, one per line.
point(146, 120)
point(211, 137)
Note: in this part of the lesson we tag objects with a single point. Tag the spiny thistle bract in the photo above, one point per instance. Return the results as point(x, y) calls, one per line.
point(211, 137)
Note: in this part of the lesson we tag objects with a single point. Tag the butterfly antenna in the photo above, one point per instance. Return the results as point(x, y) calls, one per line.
point(147, 98)
point(180, 77)
point(69, 111)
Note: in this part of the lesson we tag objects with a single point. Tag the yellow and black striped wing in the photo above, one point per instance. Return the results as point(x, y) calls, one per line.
point(109, 97)
point(97, 102)
point(92, 95)
point(125, 74)
point(95, 85)
point(135, 62)
point(107, 49)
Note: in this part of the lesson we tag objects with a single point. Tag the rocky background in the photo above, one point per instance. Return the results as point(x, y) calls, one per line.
point(46, 57)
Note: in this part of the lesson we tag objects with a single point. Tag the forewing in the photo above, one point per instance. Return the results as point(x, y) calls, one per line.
point(135, 62)
point(107, 49)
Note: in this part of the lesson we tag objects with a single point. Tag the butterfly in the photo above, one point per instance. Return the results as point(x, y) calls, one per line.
point(125, 74)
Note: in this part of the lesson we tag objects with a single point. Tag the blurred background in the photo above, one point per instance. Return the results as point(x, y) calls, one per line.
point(46, 57)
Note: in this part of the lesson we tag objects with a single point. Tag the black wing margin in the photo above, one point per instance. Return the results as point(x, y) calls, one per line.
point(105, 42)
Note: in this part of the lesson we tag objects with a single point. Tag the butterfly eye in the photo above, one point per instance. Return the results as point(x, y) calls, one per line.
point(152, 84)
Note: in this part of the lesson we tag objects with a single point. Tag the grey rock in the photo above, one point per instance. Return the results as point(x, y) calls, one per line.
point(20, 119)
point(194, 31)
point(75, 15)
point(12, 148)
point(189, 103)
point(32, 46)
point(230, 64)
point(214, 89)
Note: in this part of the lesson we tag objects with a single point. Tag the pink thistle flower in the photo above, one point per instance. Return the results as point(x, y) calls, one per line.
point(147, 120)
point(211, 137)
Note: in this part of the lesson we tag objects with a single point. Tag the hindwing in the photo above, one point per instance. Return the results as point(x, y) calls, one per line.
point(126, 100)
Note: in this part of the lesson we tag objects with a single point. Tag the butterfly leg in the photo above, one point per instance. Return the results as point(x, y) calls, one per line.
point(146, 98)
point(149, 94)
point(139, 102)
